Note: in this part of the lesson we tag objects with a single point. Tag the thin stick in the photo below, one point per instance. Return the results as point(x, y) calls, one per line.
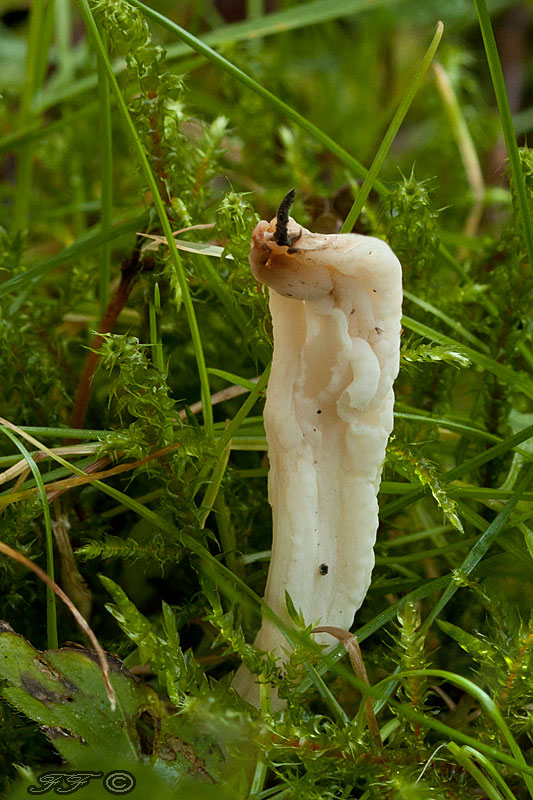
point(157, 240)
point(351, 644)
point(219, 397)
point(16, 556)
point(92, 473)
point(22, 465)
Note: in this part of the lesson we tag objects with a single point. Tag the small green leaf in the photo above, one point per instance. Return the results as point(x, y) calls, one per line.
point(477, 647)
point(63, 691)
point(296, 616)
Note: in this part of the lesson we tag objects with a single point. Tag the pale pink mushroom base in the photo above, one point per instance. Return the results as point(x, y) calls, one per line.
point(336, 310)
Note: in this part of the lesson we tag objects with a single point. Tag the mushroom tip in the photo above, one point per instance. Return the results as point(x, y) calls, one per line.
point(282, 218)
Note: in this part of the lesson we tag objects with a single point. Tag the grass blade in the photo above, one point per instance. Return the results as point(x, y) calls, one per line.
point(462, 469)
point(51, 612)
point(452, 323)
point(106, 195)
point(84, 244)
point(196, 44)
point(502, 100)
point(518, 380)
point(94, 36)
point(392, 130)
point(482, 545)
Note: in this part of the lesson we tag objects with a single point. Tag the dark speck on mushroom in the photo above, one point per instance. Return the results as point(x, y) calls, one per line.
point(323, 569)
point(319, 411)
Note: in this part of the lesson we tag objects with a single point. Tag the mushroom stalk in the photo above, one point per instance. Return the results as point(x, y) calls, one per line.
point(336, 303)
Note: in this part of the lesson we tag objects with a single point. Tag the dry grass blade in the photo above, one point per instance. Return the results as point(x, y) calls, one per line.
point(157, 240)
point(16, 556)
point(219, 397)
point(92, 473)
point(349, 640)
point(21, 467)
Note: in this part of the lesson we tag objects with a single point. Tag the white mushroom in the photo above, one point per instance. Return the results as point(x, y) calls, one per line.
point(336, 303)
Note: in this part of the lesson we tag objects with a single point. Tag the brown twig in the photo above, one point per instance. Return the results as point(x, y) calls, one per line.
point(21, 467)
point(130, 270)
point(349, 640)
point(92, 473)
point(219, 397)
point(158, 239)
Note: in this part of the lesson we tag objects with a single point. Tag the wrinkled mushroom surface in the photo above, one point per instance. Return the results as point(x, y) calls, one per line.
point(335, 302)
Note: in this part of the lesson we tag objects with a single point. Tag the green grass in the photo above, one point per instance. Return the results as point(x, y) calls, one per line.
point(119, 118)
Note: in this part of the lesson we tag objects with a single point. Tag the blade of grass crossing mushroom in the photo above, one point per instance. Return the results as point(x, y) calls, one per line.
point(329, 661)
point(97, 43)
point(358, 665)
point(51, 613)
point(392, 130)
